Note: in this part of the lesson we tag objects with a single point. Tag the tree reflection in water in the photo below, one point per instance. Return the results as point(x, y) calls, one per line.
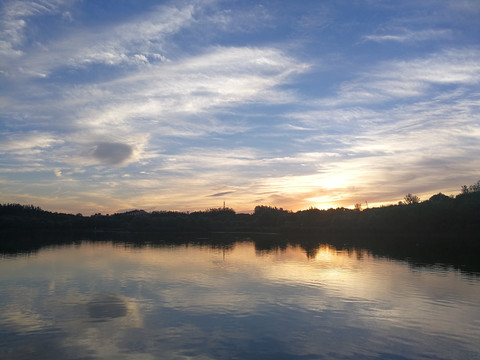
point(229, 298)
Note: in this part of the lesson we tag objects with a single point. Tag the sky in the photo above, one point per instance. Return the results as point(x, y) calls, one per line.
point(108, 106)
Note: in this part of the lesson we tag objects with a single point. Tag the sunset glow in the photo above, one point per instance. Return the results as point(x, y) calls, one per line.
point(182, 105)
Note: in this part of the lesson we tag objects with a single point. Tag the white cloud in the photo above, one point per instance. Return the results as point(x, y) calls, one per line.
point(189, 119)
point(410, 36)
point(390, 142)
point(109, 45)
point(21, 142)
point(456, 66)
point(130, 119)
point(168, 99)
point(14, 19)
point(410, 78)
point(239, 20)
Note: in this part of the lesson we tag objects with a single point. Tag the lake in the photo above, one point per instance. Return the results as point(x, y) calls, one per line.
point(114, 300)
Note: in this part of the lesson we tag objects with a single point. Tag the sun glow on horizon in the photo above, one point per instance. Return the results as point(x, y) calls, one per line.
point(170, 107)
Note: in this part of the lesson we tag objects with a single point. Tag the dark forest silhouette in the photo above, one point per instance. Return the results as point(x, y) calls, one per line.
point(439, 214)
point(440, 229)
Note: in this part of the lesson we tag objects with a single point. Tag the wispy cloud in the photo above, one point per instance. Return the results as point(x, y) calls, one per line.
point(405, 36)
point(165, 100)
point(177, 105)
point(13, 22)
point(137, 43)
point(221, 194)
point(394, 80)
point(27, 141)
point(387, 142)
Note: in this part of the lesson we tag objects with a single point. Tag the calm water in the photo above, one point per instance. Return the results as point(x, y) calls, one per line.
point(110, 301)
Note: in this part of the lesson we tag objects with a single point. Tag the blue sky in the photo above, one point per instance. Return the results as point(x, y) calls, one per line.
point(108, 106)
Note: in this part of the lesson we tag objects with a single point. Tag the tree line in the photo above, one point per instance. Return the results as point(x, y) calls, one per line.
point(438, 215)
point(443, 229)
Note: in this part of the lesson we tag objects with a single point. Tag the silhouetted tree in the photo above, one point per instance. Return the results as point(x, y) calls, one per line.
point(269, 217)
point(472, 188)
point(440, 197)
point(411, 199)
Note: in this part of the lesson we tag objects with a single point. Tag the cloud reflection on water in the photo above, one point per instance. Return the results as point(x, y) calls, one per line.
point(109, 301)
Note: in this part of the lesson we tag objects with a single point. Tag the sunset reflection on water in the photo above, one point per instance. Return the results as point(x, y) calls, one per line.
point(240, 300)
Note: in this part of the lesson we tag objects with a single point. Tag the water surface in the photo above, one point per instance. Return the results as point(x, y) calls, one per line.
point(104, 300)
